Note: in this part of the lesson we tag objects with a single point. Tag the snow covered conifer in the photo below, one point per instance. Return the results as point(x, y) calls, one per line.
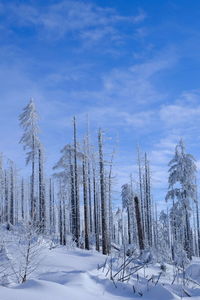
point(30, 139)
point(182, 190)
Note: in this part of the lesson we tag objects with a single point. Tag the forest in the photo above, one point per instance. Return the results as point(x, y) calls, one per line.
point(74, 205)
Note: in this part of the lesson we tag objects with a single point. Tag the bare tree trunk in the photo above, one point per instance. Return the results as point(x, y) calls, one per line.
point(156, 227)
point(2, 190)
point(139, 223)
point(60, 216)
point(198, 227)
point(89, 176)
point(95, 199)
point(110, 203)
point(33, 200)
point(150, 206)
point(51, 207)
point(141, 191)
point(42, 208)
point(187, 235)
point(90, 199)
point(6, 198)
point(129, 225)
point(22, 198)
point(197, 221)
point(105, 249)
point(64, 220)
point(77, 204)
point(11, 194)
point(148, 221)
point(85, 196)
point(72, 193)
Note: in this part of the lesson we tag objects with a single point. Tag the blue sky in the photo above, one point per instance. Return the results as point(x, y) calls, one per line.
point(132, 66)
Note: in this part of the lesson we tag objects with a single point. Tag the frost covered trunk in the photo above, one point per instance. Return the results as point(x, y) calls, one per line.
point(104, 220)
point(86, 209)
point(76, 185)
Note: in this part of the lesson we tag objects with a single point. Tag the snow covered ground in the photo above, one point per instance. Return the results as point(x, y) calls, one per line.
point(73, 275)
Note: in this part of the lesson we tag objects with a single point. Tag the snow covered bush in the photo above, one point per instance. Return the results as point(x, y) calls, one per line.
point(21, 250)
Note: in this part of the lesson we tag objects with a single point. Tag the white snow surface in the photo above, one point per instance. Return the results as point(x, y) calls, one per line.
point(65, 274)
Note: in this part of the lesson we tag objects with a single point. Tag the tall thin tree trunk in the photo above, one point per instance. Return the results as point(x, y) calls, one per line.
point(95, 199)
point(187, 235)
point(197, 221)
point(110, 203)
point(60, 215)
point(33, 200)
point(85, 197)
point(11, 194)
point(42, 208)
point(141, 191)
point(64, 220)
point(139, 223)
point(198, 226)
point(129, 225)
point(90, 199)
point(6, 198)
point(105, 249)
point(22, 198)
point(51, 207)
point(89, 176)
point(72, 196)
point(77, 204)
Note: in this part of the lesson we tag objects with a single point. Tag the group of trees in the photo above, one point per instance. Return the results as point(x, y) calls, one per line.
point(175, 232)
point(76, 201)
point(84, 189)
point(25, 199)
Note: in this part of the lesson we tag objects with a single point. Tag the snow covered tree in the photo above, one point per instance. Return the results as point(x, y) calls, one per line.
point(163, 238)
point(51, 207)
point(139, 223)
point(76, 185)
point(96, 204)
point(85, 199)
point(147, 202)
point(141, 190)
point(182, 190)
point(104, 210)
point(42, 208)
point(127, 203)
point(12, 194)
point(30, 139)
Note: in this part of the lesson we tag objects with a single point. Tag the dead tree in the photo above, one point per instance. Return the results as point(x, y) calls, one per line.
point(104, 220)
point(139, 223)
point(85, 197)
point(76, 187)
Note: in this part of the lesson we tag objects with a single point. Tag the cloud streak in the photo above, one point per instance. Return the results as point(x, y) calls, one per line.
point(84, 19)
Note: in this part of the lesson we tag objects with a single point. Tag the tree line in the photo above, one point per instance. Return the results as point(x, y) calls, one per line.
point(76, 203)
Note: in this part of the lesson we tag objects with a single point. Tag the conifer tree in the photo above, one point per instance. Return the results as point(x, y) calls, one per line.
point(30, 140)
point(182, 190)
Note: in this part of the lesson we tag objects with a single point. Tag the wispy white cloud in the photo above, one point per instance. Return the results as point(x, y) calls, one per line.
point(135, 84)
point(178, 114)
point(140, 17)
point(85, 19)
point(182, 117)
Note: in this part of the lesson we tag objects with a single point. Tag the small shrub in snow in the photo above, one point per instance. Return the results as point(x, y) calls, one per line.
point(20, 252)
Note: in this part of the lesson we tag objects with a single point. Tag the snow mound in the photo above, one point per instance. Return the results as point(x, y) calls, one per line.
point(73, 275)
point(159, 292)
point(193, 271)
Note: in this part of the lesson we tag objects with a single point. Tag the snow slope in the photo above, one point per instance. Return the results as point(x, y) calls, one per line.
point(73, 275)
